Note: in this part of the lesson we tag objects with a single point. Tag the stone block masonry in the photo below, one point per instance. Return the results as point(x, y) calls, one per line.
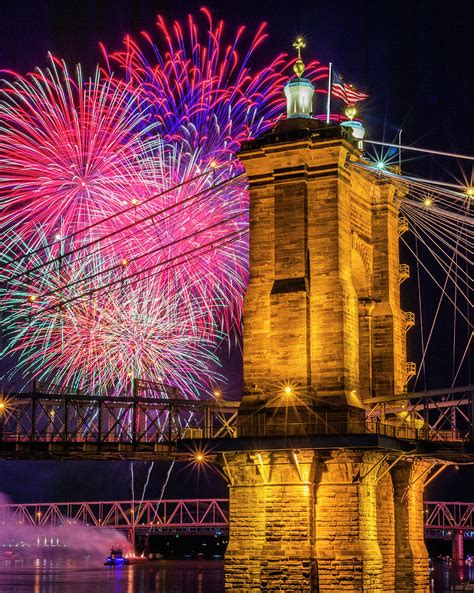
point(324, 522)
point(323, 243)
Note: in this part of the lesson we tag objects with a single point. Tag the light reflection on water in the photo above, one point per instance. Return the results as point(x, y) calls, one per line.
point(444, 575)
point(161, 576)
point(71, 576)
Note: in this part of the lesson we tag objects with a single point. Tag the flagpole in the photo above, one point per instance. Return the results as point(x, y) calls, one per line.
point(328, 105)
point(400, 151)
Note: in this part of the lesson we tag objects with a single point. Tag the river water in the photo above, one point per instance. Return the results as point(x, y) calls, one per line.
point(161, 576)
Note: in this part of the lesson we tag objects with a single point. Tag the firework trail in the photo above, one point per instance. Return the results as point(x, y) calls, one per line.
point(203, 90)
point(69, 149)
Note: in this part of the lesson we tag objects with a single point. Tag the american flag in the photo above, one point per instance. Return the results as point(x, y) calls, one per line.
point(344, 91)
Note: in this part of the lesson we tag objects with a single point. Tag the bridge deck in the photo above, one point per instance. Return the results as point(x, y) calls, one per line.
point(155, 423)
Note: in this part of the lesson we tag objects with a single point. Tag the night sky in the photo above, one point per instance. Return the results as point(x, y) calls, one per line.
point(414, 59)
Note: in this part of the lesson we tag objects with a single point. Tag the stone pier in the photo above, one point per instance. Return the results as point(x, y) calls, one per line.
point(272, 522)
point(411, 555)
point(324, 522)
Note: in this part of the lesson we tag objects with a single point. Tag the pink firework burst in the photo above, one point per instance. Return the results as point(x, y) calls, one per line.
point(68, 149)
point(129, 207)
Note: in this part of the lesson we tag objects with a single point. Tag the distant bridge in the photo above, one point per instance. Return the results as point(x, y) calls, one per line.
point(153, 423)
point(210, 515)
point(186, 515)
point(443, 519)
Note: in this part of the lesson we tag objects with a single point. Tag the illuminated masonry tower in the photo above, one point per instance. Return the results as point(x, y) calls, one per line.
point(317, 503)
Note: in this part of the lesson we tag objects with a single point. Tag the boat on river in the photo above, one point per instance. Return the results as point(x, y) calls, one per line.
point(116, 558)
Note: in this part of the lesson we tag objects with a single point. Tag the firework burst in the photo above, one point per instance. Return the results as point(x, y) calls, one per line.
point(203, 90)
point(69, 149)
point(126, 211)
point(65, 326)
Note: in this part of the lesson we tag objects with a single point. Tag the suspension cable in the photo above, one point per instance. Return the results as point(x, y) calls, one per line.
point(127, 227)
point(147, 253)
point(209, 246)
point(125, 210)
point(425, 150)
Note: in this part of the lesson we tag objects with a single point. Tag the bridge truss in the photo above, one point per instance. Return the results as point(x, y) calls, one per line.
point(208, 515)
point(187, 515)
point(443, 519)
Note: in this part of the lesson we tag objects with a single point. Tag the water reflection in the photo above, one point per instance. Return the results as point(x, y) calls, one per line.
point(71, 576)
point(160, 576)
point(131, 580)
point(37, 588)
point(444, 575)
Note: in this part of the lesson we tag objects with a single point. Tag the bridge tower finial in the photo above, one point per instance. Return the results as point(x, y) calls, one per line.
point(299, 91)
point(299, 66)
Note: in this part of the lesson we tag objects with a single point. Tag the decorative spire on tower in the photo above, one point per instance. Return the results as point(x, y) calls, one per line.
point(298, 66)
point(299, 91)
point(358, 130)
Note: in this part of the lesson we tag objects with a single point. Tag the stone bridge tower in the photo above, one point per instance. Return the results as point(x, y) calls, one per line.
point(317, 503)
point(322, 311)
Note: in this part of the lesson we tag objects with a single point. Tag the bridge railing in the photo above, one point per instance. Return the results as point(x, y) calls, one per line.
point(441, 415)
point(155, 415)
point(69, 418)
point(266, 426)
point(263, 427)
point(437, 415)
